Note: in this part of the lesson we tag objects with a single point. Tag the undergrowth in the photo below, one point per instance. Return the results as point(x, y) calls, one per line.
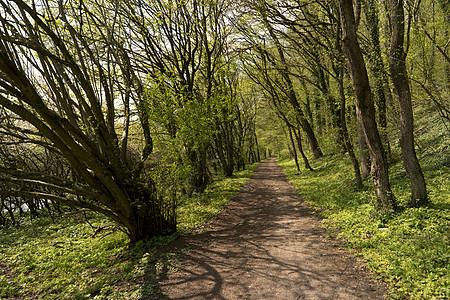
point(194, 212)
point(85, 256)
point(409, 249)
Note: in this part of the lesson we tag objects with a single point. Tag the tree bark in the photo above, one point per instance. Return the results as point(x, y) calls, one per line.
point(300, 148)
point(293, 148)
point(400, 80)
point(332, 104)
point(363, 151)
point(366, 108)
point(382, 90)
point(347, 143)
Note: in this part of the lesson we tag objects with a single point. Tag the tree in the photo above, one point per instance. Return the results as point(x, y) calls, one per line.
point(193, 82)
point(365, 105)
point(399, 75)
point(173, 47)
point(258, 69)
point(68, 84)
point(382, 91)
point(433, 72)
point(271, 47)
point(345, 134)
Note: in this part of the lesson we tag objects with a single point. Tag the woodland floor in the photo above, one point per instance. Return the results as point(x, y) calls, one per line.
point(266, 244)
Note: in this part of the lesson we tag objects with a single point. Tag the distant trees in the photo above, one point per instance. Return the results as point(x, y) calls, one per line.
point(193, 90)
point(300, 49)
point(265, 44)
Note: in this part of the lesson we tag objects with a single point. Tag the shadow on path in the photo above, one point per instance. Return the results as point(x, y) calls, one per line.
point(266, 244)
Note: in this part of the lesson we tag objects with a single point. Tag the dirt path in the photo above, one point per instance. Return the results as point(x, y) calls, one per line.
point(267, 244)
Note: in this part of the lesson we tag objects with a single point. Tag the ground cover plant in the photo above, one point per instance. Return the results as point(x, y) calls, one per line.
point(85, 256)
point(408, 249)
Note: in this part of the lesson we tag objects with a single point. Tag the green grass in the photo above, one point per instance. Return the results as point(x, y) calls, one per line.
point(410, 249)
point(65, 260)
point(193, 213)
point(47, 260)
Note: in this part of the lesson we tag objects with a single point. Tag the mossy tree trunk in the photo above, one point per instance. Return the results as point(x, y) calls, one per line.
point(366, 108)
point(399, 75)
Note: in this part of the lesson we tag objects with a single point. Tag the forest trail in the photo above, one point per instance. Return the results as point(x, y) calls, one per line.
point(267, 244)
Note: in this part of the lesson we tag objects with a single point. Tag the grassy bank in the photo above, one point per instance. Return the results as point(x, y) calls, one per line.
point(86, 257)
point(410, 249)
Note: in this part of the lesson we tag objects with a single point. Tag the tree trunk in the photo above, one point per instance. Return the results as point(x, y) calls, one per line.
point(366, 108)
point(347, 143)
point(300, 148)
point(377, 70)
point(150, 216)
point(258, 156)
point(293, 147)
point(308, 111)
point(332, 104)
point(225, 147)
point(200, 177)
point(363, 151)
point(400, 80)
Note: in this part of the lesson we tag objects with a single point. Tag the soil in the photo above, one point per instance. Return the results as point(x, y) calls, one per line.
point(267, 244)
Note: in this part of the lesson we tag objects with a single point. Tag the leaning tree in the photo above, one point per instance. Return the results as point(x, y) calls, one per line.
point(68, 86)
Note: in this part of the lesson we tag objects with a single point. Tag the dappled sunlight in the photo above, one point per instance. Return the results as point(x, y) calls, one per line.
point(265, 245)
